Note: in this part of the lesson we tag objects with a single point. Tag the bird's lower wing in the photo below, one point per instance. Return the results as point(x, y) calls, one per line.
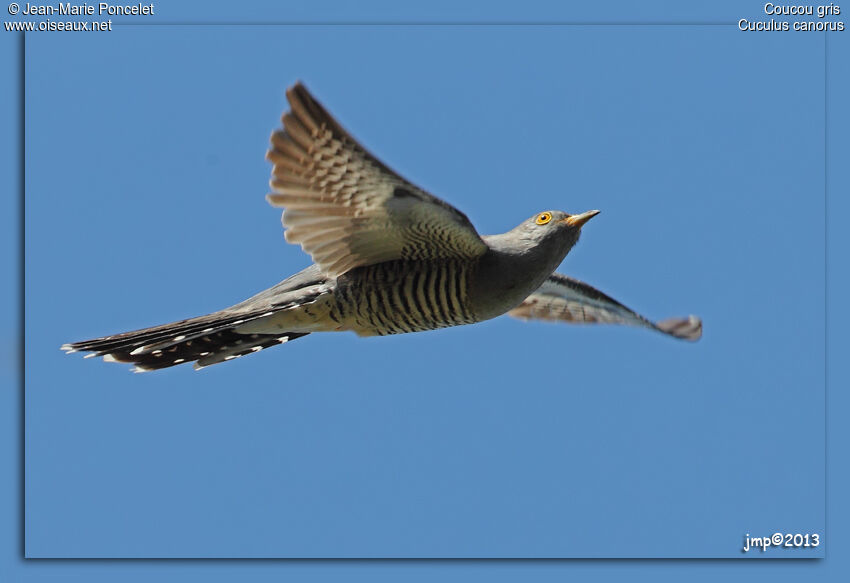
point(345, 207)
point(564, 299)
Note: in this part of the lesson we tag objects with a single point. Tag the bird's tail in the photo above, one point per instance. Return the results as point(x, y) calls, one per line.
point(204, 340)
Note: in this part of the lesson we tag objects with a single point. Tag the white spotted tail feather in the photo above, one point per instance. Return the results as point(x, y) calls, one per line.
point(205, 340)
point(564, 299)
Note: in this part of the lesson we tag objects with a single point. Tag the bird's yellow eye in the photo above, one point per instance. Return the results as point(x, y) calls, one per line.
point(543, 218)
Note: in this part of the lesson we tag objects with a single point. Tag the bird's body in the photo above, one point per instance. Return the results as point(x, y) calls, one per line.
point(389, 258)
point(392, 297)
point(404, 296)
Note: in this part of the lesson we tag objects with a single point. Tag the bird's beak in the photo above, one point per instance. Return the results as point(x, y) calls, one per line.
point(578, 220)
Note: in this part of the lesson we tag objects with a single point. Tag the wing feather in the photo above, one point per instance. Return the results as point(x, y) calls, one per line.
point(564, 299)
point(345, 207)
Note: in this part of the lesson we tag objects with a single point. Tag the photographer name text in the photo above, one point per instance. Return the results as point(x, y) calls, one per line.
point(99, 9)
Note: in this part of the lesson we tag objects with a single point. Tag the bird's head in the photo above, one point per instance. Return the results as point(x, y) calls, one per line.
point(553, 229)
point(548, 236)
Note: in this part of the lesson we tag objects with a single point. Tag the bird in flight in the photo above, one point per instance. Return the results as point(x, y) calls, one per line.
point(388, 258)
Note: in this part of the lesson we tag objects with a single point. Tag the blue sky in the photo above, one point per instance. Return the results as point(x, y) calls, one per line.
point(704, 148)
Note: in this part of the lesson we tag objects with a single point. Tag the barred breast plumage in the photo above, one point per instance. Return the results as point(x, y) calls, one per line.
point(404, 296)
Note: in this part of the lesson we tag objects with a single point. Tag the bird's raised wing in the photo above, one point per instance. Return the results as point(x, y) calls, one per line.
point(564, 299)
point(346, 208)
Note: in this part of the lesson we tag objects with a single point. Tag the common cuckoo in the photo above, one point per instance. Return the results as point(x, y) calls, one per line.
point(388, 258)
